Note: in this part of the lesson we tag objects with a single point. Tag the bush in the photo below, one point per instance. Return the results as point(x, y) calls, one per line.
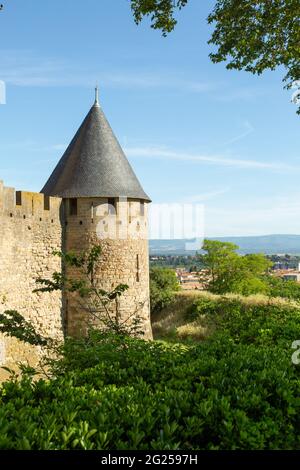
point(236, 390)
point(264, 324)
point(218, 395)
point(163, 285)
point(280, 288)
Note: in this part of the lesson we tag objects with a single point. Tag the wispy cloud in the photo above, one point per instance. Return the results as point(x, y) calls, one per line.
point(24, 68)
point(163, 153)
point(61, 147)
point(33, 146)
point(248, 129)
point(205, 196)
point(239, 94)
point(159, 80)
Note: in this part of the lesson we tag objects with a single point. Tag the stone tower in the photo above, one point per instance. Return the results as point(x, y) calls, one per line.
point(104, 204)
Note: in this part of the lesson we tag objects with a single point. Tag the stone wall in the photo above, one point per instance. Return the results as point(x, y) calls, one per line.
point(32, 226)
point(122, 235)
point(30, 229)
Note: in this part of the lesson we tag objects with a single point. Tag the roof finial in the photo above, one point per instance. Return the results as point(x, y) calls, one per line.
point(96, 95)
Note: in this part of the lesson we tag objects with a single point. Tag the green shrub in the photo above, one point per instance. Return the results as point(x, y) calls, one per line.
point(163, 285)
point(202, 306)
point(218, 395)
point(236, 390)
point(280, 288)
point(264, 324)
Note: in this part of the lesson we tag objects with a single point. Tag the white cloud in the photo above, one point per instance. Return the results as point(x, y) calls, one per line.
point(24, 68)
point(57, 147)
point(205, 196)
point(239, 94)
point(33, 146)
point(163, 153)
point(159, 80)
point(248, 129)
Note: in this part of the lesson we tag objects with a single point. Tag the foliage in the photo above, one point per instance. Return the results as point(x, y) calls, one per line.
point(160, 11)
point(189, 262)
point(96, 301)
point(257, 35)
point(163, 285)
point(280, 288)
point(13, 324)
point(254, 36)
point(227, 271)
point(250, 285)
point(265, 324)
point(237, 390)
point(218, 395)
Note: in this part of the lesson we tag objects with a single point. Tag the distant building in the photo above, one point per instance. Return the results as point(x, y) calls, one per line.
point(288, 274)
point(189, 280)
point(295, 276)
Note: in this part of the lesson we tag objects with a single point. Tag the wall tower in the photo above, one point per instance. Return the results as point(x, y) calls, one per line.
point(104, 204)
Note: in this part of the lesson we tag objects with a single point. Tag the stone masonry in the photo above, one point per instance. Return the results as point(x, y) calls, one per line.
point(124, 258)
point(30, 230)
point(92, 197)
point(32, 227)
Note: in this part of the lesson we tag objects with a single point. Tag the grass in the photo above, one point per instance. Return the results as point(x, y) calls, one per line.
point(172, 324)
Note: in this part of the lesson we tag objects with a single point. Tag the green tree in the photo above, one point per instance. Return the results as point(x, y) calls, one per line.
point(254, 35)
point(161, 12)
point(163, 285)
point(258, 35)
point(226, 271)
point(220, 264)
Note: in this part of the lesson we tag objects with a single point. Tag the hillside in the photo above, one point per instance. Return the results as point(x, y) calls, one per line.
point(268, 244)
point(177, 322)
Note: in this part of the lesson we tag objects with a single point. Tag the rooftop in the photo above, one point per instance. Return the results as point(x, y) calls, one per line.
point(94, 164)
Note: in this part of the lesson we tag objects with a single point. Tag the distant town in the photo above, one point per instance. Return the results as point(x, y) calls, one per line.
point(189, 268)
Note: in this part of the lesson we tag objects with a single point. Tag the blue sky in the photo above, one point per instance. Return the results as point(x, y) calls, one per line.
point(193, 131)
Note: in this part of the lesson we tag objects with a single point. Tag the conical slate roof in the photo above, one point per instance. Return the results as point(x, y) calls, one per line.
point(94, 164)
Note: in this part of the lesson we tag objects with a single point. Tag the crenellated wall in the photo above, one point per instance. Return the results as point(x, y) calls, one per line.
point(32, 226)
point(30, 230)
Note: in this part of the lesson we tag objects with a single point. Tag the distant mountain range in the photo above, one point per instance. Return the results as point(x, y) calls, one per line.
point(268, 244)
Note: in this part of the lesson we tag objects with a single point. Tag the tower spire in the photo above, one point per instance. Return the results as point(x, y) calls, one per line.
point(96, 95)
point(94, 164)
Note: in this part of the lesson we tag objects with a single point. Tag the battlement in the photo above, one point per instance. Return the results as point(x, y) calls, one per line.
point(24, 204)
point(125, 219)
